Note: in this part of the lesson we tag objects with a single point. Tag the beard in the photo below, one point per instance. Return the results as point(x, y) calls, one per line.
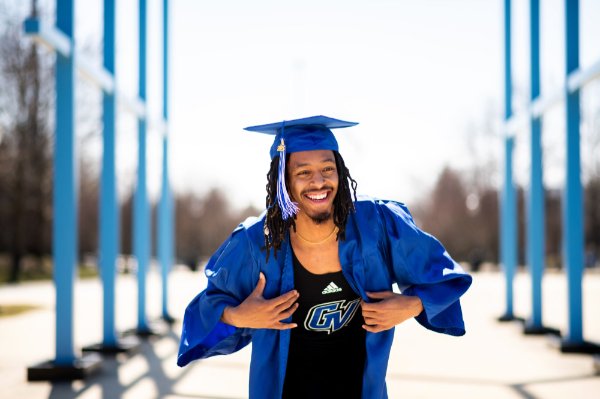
point(320, 217)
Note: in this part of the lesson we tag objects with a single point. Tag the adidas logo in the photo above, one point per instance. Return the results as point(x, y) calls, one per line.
point(331, 288)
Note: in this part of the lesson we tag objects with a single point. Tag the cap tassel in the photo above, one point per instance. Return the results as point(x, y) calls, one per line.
point(288, 207)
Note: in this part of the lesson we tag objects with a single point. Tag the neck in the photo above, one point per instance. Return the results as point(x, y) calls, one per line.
point(312, 232)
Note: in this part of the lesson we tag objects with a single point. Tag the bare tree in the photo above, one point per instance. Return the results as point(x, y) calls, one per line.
point(203, 223)
point(446, 215)
point(26, 101)
point(89, 191)
point(591, 160)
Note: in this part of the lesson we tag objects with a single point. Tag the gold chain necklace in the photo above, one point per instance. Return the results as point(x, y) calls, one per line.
point(335, 229)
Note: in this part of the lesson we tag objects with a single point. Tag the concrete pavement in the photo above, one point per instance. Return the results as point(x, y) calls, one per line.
point(493, 360)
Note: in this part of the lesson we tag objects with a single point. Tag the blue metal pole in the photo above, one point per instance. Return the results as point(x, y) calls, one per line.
point(65, 191)
point(141, 209)
point(507, 230)
point(164, 231)
point(573, 200)
point(510, 262)
point(166, 60)
point(507, 61)
point(109, 217)
point(535, 226)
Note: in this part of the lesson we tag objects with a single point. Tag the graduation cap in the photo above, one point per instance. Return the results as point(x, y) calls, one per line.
point(306, 134)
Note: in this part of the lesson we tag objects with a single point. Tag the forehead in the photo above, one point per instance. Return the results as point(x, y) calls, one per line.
point(311, 157)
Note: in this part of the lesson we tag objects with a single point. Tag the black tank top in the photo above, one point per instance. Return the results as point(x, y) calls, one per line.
point(327, 350)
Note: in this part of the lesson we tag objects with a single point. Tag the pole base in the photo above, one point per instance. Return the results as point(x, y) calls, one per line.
point(79, 369)
point(509, 317)
point(156, 328)
point(127, 345)
point(565, 346)
point(167, 318)
point(530, 329)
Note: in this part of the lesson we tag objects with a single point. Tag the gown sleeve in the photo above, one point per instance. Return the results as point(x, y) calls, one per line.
point(422, 267)
point(232, 274)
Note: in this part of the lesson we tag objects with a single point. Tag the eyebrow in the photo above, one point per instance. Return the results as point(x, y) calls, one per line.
point(300, 165)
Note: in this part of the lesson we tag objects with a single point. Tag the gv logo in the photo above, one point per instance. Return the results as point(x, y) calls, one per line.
point(330, 316)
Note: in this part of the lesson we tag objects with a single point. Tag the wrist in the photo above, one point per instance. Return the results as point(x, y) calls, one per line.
point(417, 306)
point(228, 316)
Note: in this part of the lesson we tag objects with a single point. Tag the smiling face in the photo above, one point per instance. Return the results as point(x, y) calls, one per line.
point(313, 183)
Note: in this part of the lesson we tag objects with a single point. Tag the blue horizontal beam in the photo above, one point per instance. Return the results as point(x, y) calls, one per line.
point(98, 75)
point(55, 40)
point(50, 36)
point(133, 105)
point(580, 77)
point(543, 103)
point(575, 81)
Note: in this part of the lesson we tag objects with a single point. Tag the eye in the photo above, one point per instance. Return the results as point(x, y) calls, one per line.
point(329, 169)
point(302, 173)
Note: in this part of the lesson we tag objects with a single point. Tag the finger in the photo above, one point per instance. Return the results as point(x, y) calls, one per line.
point(370, 315)
point(260, 285)
point(380, 294)
point(372, 321)
point(290, 311)
point(369, 328)
point(282, 299)
point(367, 306)
point(370, 311)
point(285, 305)
point(284, 326)
point(374, 328)
point(370, 307)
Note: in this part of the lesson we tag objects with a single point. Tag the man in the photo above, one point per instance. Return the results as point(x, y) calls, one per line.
point(309, 283)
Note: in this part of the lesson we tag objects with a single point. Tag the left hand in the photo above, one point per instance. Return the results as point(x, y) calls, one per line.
point(391, 310)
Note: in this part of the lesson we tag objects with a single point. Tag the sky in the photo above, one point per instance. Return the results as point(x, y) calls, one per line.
point(422, 78)
point(403, 69)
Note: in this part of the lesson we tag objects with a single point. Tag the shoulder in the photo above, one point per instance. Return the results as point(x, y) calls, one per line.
point(385, 215)
point(370, 206)
point(242, 246)
point(253, 224)
point(250, 229)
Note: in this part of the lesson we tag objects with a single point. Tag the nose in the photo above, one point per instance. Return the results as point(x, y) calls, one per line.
point(318, 179)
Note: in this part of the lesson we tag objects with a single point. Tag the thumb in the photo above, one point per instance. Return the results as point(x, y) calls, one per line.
point(380, 294)
point(260, 286)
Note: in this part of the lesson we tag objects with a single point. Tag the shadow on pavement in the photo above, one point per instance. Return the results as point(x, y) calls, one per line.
point(109, 380)
point(519, 388)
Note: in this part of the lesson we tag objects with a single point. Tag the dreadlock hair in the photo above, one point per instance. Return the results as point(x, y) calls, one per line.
point(275, 227)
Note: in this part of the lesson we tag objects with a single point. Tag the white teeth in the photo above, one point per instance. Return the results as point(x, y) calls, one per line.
point(317, 197)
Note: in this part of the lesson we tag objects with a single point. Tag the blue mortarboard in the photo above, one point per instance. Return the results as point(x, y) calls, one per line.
point(306, 134)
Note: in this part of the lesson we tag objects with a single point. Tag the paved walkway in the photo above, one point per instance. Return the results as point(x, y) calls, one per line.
point(492, 361)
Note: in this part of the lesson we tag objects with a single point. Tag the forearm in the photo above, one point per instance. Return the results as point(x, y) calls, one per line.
point(389, 309)
point(228, 316)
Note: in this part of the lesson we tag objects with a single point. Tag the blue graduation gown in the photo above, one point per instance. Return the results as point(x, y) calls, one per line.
point(382, 246)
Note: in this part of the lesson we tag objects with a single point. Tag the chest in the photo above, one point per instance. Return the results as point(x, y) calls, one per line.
point(327, 303)
point(321, 260)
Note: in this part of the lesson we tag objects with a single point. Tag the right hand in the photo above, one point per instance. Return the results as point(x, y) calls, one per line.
point(257, 312)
